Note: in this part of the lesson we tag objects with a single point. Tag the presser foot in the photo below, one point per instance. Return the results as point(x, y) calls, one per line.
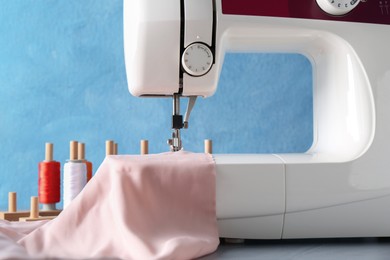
point(175, 143)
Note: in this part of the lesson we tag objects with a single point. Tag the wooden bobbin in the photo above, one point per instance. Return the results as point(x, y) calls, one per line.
point(144, 147)
point(208, 146)
point(73, 150)
point(109, 147)
point(48, 152)
point(12, 208)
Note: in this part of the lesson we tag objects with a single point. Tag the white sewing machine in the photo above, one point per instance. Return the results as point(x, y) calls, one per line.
point(341, 186)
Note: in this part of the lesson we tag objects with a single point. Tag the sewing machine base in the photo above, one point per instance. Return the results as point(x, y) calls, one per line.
point(358, 219)
point(259, 198)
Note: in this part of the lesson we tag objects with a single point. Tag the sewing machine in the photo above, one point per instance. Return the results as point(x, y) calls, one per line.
point(340, 187)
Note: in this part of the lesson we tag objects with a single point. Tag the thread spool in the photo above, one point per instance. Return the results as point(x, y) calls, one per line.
point(144, 147)
point(49, 180)
point(81, 157)
point(208, 146)
point(12, 208)
point(109, 147)
point(75, 175)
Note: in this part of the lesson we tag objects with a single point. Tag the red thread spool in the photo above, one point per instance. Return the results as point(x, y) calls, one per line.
point(49, 178)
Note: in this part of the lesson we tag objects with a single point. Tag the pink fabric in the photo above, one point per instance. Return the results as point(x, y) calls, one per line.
point(137, 207)
point(10, 233)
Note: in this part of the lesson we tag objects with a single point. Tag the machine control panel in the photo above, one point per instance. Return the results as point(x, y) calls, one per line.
point(361, 11)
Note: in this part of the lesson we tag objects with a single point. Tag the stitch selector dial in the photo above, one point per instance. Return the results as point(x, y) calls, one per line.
point(197, 59)
point(337, 7)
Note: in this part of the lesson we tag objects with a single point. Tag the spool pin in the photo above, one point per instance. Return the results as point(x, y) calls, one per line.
point(15, 216)
point(81, 157)
point(12, 202)
point(48, 152)
point(109, 147)
point(115, 149)
point(144, 147)
point(208, 146)
point(81, 152)
point(12, 214)
point(34, 212)
point(73, 150)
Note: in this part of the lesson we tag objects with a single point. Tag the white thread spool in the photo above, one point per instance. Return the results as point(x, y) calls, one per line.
point(75, 175)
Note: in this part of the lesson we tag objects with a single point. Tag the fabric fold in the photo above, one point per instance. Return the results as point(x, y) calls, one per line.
point(158, 206)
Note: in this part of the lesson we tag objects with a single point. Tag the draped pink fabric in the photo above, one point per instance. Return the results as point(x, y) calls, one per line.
point(158, 206)
point(10, 233)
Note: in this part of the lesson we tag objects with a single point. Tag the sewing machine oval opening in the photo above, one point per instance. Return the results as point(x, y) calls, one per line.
point(263, 104)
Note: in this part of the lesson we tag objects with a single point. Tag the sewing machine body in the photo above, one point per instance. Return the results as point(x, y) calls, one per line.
point(341, 186)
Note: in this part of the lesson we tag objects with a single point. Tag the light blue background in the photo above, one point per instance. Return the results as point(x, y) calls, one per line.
point(62, 78)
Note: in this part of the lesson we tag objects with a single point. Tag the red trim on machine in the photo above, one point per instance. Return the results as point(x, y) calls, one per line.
point(371, 11)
